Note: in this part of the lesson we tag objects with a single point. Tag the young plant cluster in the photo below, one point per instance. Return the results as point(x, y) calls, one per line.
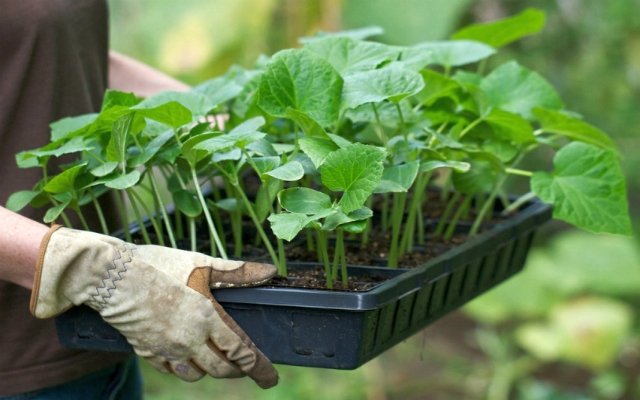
point(313, 133)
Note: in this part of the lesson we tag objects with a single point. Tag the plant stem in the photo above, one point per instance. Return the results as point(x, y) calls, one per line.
point(414, 212)
point(403, 128)
point(519, 202)
point(214, 211)
point(381, 134)
point(163, 210)
point(469, 127)
point(177, 215)
point(343, 258)
point(82, 220)
point(454, 221)
point(103, 223)
point(367, 230)
point(445, 214)
point(131, 192)
point(212, 228)
point(322, 244)
point(310, 244)
point(487, 205)
point(385, 211)
point(520, 172)
point(192, 233)
point(123, 214)
point(399, 200)
point(143, 229)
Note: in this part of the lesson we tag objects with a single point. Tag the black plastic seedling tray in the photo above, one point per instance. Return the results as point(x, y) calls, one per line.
point(344, 330)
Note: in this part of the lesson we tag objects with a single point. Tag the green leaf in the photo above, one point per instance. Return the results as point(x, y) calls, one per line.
point(250, 125)
point(266, 164)
point(291, 171)
point(263, 147)
point(381, 84)
point(192, 154)
point(172, 113)
point(348, 55)
point(117, 148)
point(455, 53)
point(19, 200)
point(435, 86)
point(229, 205)
point(287, 225)
point(303, 81)
point(574, 129)
point(413, 58)
point(481, 176)
point(303, 200)
point(509, 126)
point(187, 202)
point(357, 34)
point(62, 128)
point(398, 178)
point(75, 145)
point(586, 189)
point(218, 90)
point(458, 166)
point(151, 149)
point(104, 169)
point(317, 149)
point(116, 98)
point(341, 219)
point(54, 212)
point(505, 31)
point(125, 181)
point(309, 125)
point(356, 170)
point(354, 227)
point(516, 89)
point(238, 138)
point(65, 181)
point(198, 104)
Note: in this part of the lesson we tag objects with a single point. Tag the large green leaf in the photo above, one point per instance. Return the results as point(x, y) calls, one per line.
point(218, 90)
point(57, 149)
point(586, 189)
point(575, 129)
point(304, 81)
point(62, 128)
point(197, 103)
point(317, 149)
point(19, 200)
point(509, 126)
point(303, 200)
point(356, 170)
point(104, 169)
point(339, 218)
point(458, 166)
point(250, 125)
point(187, 202)
point(64, 181)
point(308, 124)
point(54, 212)
point(516, 89)
point(287, 225)
point(192, 154)
point(238, 138)
point(505, 31)
point(172, 113)
point(455, 53)
point(117, 148)
point(116, 98)
point(348, 55)
point(291, 171)
point(435, 86)
point(125, 181)
point(398, 178)
point(357, 34)
point(380, 84)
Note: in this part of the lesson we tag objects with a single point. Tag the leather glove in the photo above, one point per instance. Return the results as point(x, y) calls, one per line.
point(158, 298)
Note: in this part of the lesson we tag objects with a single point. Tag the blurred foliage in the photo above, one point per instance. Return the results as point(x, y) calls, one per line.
point(573, 305)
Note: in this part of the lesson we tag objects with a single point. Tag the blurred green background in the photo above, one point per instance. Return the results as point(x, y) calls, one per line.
point(566, 328)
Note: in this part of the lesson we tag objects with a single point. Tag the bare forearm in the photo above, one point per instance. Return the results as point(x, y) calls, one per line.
point(129, 75)
point(20, 240)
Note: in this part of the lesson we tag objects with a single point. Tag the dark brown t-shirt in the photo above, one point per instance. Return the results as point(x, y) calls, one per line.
point(53, 64)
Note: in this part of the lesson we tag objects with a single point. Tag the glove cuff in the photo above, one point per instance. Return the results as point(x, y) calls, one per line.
point(38, 273)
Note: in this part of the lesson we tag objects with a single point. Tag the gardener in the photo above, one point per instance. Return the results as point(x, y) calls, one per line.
point(54, 62)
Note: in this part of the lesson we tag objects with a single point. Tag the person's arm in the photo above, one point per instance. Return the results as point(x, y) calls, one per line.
point(20, 240)
point(129, 75)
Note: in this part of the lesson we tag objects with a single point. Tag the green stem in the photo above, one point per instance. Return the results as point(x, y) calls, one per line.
point(343, 258)
point(403, 127)
point(367, 230)
point(385, 211)
point(416, 202)
point(519, 202)
point(143, 229)
point(66, 220)
point(444, 193)
point(380, 130)
point(82, 220)
point(153, 220)
point(162, 208)
point(520, 172)
point(214, 211)
point(192, 234)
point(445, 214)
point(177, 215)
point(212, 228)
point(454, 221)
point(469, 127)
point(487, 205)
point(124, 216)
point(399, 200)
point(103, 222)
point(322, 244)
point(310, 243)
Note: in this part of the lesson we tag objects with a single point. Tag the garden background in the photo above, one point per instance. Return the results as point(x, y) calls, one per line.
point(566, 328)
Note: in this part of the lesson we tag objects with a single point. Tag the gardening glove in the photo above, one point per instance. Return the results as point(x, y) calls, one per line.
point(158, 298)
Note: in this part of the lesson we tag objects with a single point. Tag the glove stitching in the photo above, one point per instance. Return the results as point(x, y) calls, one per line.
point(109, 283)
